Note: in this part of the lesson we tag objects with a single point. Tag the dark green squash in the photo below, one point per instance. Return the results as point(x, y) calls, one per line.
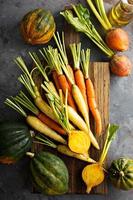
point(37, 26)
point(15, 141)
point(121, 173)
point(49, 174)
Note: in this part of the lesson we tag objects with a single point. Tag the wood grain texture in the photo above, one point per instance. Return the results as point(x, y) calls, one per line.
point(100, 76)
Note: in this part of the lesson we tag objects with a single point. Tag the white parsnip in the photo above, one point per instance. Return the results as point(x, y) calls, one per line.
point(78, 97)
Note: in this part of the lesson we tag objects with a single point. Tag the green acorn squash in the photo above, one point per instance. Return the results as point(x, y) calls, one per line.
point(37, 26)
point(49, 174)
point(121, 173)
point(15, 141)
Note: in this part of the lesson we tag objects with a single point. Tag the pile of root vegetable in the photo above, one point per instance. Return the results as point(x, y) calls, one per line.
point(62, 114)
point(57, 110)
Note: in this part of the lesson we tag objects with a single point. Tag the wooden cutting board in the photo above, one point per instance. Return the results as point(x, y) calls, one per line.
point(99, 73)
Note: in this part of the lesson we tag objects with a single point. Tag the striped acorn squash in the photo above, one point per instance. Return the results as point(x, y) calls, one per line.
point(121, 173)
point(49, 174)
point(37, 26)
point(15, 141)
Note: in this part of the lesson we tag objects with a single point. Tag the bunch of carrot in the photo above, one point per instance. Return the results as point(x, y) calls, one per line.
point(77, 77)
point(57, 114)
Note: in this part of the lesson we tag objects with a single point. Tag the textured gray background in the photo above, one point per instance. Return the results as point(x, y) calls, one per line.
point(14, 180)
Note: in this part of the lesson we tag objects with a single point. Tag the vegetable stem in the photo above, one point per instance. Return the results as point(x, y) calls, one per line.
point(14, 105)
point(101, 9)
point(98, 15)
point(111, 133)
point(30, 154)
point(26, 102)
point(85, 62)
point(82, 23)
point(75, 50)
point(46, 141)
point(39, 65)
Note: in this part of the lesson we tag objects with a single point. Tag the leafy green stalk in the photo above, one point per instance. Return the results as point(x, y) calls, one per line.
point(98, 15)
point(111, 133)
point(102, 12)
point(82, 23)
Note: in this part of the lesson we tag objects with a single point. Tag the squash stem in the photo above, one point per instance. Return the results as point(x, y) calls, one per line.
point(30, 154)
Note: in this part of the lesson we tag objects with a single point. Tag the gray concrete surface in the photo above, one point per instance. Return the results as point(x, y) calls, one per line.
point(14, 180)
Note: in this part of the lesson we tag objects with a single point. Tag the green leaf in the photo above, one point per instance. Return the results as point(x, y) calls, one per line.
point(112, 131)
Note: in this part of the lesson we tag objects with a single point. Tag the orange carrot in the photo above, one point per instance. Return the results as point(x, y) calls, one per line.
point(80, 82)
point(55, 58)
point(79, 78)
point(93, 105)
point(27, 103)
point(70, 70)
point(51, 124)
point(55, 78)
point(90, 91)
point(65, 86)
point(75, 91)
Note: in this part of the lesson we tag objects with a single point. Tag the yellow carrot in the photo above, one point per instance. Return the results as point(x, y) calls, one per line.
point(44, 107)
point(79, 122)
point(78, 97)
point(35, 123)
point(76, 93)
point(66, 151)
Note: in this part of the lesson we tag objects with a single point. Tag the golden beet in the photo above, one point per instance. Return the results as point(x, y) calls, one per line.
point(121, 65)
point(79, 142)
point(92, 175)
point(117, 39)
